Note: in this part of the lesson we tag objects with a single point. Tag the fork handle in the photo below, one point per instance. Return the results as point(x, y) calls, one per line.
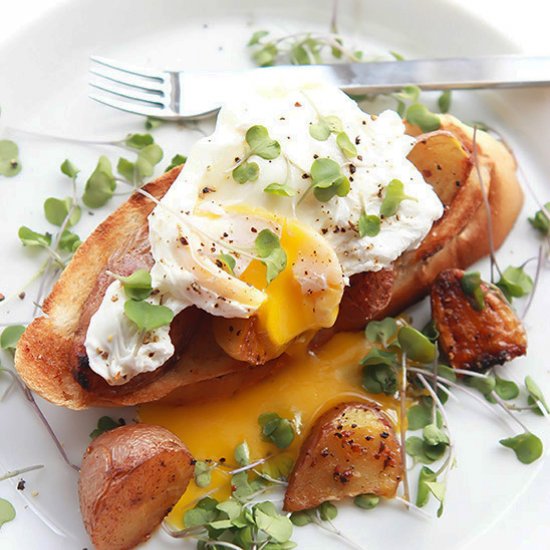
point(432, 74)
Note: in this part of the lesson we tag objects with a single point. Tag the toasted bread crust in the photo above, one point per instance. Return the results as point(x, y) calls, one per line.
point(45, 355)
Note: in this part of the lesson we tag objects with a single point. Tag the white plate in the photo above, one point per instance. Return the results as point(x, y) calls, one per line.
point(492, 499)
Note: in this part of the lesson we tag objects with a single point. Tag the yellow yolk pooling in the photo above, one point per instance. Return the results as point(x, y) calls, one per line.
point(306, 386)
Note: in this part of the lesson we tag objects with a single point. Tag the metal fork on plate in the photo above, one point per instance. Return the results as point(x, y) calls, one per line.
point(187, 95)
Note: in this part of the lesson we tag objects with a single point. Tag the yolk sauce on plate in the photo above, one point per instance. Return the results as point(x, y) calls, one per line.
point(305, 387)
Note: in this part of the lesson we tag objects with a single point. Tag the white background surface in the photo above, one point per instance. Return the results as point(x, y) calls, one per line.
point(527, 24)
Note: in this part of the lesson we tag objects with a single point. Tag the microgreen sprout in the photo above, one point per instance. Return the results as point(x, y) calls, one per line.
point(261, 145)
point(471, 285)
point(270, 253)
point(515, 283)
point(106, 424)
point(10, 336)
point(100, 185)
point(146, 316)
point(7, 511)
point(394, 195)
point(10, 165)
point(281, 189)
point(177, 160)
point(276, 429)
point(327, 180)
point(541, 221)
point(368, 225)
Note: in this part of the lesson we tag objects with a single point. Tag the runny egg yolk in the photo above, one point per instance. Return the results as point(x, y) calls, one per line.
point(304, 387)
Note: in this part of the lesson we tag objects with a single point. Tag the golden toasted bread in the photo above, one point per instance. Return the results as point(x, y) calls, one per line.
point(50, 356)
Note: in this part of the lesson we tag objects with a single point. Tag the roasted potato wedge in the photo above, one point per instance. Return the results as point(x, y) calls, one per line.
point(475, 338)
point(446, 165)
point(130, 479)
point(352, 449)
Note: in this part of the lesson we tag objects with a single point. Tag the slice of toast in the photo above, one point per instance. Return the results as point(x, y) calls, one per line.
point(50, 357)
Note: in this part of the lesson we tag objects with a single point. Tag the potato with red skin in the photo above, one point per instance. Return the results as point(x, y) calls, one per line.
point(471, 338)
point(130, 478)
point(351, 450)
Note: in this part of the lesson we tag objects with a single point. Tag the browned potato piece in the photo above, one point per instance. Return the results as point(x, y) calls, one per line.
point(351, 450)
point(474, 339)
point(130, 479)
point(446, 165)
point(243, 340)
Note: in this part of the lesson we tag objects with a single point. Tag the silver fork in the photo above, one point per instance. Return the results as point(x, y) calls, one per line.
point(185, 95)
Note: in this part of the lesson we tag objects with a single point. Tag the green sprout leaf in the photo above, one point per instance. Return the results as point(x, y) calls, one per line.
point(420, 415)
point(304, 517)
point(10, 165)
point(57, 210)
point(515, 283)
point(367, 501)
point(266, 56)
point(7, 511)
point(177, 160)
point(271, 253)
point(242, 454)
point(408, 94)
point(433, 435)
point(277, 526)
point(506, 389)
point(381, 331)
point(137, 286)
point(394, 195)
point(368, 225)
point(419, 115)
point(256, 37)
point(437, 489)
point(320, 130)
point(378, 372)
point(327, 511)
point(247, 171)
point(202, 474)
point(444, 101)
point(202, 514)
point(106, 424)
point(69, 169)
point(138, 141)
point(147, 316)
point(484, 385)
point(471, 285)
point(422, 452)
point(527, 446)
point(540, 220)
point(328, 180)
point(417, 346)
point(426, 476)
point(349, 150)
point(430, 331)
point(261, 144)
point(100, 185)
point(535, 395)
point(228, 262)
point(10, 336)
point(31, 238)
point(276, 429)
point(397, 56)
point(151, 123)
point(69, 241)
point(281, 189)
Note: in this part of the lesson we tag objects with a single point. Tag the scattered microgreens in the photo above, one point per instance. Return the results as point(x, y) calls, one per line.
point(368, 225)
point(417, 346)
point(10, 165)
point(177, 160)
point(349, 150)
point(540, 220)
point(29, 237)
point(382, 332)
point(151, 123)
point(137, 286)
point(100, 185)
point(366, 501)
point(471, 285)
point(10, 336)
point(69, 169)
point(444, 101)
point(535, 399)
point(149, 154)
point(147, 316)
point(242, 454)
point(57, 210)
point(277, 430)
point(203, 473)
point(106, 424)
point(527, 446)
point(228, 263)
point(328, 180)
point(280, 189)
point(299, 49)
point(7, 511)
point(515, 283)
point(416, 113)
point(270, 253)
point(325, 126)
point(379, 372)
point(394, 195)
point(261, 145)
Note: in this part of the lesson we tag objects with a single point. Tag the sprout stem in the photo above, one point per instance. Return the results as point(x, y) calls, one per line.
point(14, 473)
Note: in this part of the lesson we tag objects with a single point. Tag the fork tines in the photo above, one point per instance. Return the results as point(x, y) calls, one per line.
point(132, 89)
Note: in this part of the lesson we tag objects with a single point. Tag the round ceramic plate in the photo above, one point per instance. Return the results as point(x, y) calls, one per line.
point(492, 499)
